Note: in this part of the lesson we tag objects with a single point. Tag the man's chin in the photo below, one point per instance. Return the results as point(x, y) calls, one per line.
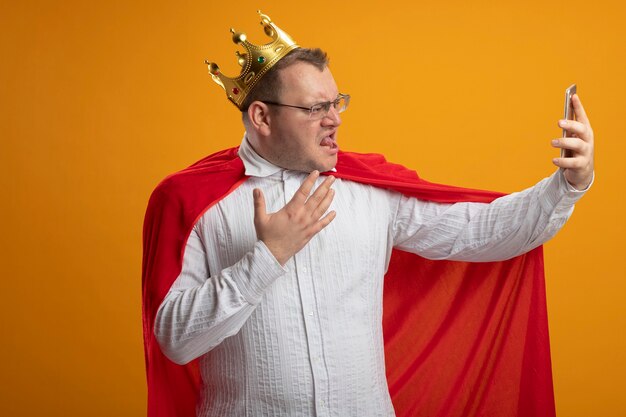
point(328, 163)
point(324, 164)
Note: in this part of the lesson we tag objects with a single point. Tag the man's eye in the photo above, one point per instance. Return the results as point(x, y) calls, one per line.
point(317, 108)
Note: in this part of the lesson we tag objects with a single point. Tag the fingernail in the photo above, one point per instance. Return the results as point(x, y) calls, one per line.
point(562, 123)
point(555, 142)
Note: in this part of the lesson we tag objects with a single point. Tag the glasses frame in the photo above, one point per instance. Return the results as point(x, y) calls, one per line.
point(325, 106)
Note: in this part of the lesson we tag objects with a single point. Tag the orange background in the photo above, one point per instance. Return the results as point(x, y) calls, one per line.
point(99, 101)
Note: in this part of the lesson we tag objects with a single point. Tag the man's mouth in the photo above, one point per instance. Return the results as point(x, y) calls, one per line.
point(329, 141)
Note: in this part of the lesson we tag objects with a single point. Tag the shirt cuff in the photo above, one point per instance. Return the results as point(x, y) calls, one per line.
point(256, 272)
point(571, 188)
point(559, 196)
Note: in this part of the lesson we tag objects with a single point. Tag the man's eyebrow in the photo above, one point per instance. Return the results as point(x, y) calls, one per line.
point(323, 100)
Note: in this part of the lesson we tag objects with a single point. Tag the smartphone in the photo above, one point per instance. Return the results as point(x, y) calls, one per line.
point(568, 115)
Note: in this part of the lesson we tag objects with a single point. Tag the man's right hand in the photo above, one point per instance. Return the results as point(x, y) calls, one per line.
point(290, 229)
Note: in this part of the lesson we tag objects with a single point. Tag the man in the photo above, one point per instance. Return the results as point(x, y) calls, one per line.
point(278, 290)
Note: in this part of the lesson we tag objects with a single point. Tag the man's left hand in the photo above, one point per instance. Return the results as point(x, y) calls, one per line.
point(578, 169)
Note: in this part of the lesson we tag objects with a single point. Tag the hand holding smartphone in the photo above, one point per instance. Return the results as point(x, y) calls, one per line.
point(569, 115)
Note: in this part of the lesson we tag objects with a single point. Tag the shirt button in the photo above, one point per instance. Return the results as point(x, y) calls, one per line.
point(304, 270)
point(310, 313)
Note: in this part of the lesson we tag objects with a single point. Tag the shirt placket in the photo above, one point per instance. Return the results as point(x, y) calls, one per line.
point(310, 309)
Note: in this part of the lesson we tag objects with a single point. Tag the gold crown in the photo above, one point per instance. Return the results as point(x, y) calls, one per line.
point(255, 62)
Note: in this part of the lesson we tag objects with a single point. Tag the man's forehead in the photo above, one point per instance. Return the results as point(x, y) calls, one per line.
point(309, 82)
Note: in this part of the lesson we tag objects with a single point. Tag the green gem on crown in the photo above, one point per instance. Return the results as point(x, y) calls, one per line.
point(261, 59)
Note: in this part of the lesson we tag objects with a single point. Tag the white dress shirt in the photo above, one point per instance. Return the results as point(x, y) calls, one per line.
point(306, 339)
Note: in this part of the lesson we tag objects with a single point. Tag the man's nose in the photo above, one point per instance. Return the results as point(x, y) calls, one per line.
point(332, 118)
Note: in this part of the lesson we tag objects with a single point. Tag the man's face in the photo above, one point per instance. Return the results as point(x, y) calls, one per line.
point(297, 142)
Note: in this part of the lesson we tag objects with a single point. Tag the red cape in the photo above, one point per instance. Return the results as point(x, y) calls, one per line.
point(461, 339)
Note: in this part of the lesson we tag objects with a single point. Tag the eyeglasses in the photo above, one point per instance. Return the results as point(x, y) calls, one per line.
point(320, 110)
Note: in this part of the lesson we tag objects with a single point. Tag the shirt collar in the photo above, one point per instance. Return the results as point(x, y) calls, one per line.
point(254, 164)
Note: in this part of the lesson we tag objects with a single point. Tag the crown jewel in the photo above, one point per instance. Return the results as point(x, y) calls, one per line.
point(254, 62)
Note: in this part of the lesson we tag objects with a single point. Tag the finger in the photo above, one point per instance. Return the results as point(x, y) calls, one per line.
point(575, 144)
point(303, 192)
point(319, 194)
point(323, 222)
point(260, 212)
point(574, 128)
point(323, 205)
point(569, 163)
point(579, 110)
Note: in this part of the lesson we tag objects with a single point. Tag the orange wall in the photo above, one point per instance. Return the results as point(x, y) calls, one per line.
point(100, 100)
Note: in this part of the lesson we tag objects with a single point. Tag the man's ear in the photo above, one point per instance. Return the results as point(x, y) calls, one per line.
point(259, 117)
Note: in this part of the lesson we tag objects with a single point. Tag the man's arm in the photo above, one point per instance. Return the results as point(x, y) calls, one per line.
point(510, 225)
point(200, 311)
point(481, 232)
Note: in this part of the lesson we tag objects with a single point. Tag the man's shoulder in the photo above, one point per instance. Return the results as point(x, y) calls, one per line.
point(213, 171)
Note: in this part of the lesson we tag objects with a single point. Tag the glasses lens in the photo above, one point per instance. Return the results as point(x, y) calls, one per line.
point(342, 103)
point(319, 111)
